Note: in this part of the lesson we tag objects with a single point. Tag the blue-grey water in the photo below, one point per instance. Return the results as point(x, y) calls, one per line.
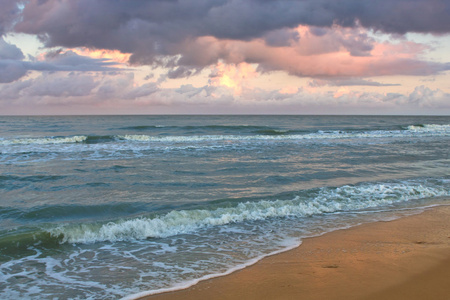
point(105, 207)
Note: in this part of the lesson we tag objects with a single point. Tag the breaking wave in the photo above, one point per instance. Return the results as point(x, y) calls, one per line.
point(261, 134)
point(314, 202)
point(44, 140)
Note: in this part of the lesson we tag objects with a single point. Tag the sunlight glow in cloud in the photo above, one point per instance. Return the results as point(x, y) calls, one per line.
point(113, 55)
point(289, 90)
point(232, 76)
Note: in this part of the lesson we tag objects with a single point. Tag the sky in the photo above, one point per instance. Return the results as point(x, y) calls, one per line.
point(65, 57)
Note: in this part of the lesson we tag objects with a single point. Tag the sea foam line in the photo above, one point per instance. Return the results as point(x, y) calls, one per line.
point(44, 140)
point(291, 244)
point(412, 130)
point(425, 130)
point(325, 200)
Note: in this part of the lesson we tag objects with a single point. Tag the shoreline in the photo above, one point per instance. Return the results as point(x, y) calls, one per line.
point(407, 258)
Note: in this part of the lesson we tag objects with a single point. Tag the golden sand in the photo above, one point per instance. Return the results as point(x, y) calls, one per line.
point(408, 258)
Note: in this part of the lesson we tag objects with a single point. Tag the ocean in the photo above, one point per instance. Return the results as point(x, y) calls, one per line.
point(111, 207)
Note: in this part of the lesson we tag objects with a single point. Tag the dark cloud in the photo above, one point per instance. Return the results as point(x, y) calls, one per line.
point(9, 12)
point(11, 70)
point(76, 87)
point(13, 67)
point(180, 72)
point(402, 16)
point(11, 64)
point(358, 44)
point(151, 28)
point(62, 86)
point(60, 60)
point(9, 51)
point(281, 38)
point(142, 91)
point(318, 31)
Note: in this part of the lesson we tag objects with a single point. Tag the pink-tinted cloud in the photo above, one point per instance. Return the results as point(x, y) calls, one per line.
point(304, 38)
point(330, 54)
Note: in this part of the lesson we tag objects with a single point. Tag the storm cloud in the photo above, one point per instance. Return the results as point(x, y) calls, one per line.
point(150, 29)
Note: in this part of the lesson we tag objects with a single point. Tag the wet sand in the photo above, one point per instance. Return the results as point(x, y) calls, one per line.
point(408, 258)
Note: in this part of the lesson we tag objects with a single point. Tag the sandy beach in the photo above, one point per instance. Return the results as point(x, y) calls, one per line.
point(408, 258)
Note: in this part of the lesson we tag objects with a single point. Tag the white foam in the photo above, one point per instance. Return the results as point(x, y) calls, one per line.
point(44, 140)
point(422, 130)
point(430, 129)
point(326, 200)
point(289, 244)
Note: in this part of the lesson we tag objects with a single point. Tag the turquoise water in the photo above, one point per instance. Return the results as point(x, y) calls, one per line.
point(106, 207)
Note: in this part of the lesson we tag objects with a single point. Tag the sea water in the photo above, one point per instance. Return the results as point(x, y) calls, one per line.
point(106, 207)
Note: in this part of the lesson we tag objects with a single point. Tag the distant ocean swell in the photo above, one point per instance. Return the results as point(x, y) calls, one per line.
point(263, 134)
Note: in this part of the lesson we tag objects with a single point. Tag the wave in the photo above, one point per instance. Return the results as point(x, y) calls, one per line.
point(15, 245)
point(44, 140)
point(194, 127)
point(52, 213)
point(98, 139)
point(31, 178)
point(143, 127)
point(435, 128)
point(273, 132)
point(270, 134)
point(307, 203)
point(260, 133)
point(13, 242)
point(10, 182)
point(87, 139)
